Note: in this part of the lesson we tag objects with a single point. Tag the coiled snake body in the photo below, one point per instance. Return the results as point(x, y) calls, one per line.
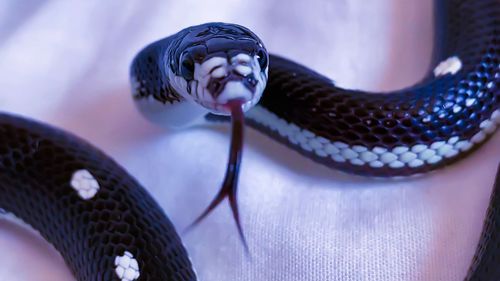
point(107, 227)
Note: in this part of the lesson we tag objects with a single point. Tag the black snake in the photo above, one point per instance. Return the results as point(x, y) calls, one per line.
point(107, 227)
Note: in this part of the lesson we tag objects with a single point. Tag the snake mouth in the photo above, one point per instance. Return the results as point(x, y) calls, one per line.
point(225, 90)
point(223, 108)
point(232, 85)
point(233, 90)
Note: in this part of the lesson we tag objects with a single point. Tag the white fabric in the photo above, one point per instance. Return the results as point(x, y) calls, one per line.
point(66, 63)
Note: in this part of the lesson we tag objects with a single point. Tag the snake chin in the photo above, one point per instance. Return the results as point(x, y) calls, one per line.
point(223, 108)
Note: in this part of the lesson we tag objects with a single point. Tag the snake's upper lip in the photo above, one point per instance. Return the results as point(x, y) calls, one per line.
point(234, 90)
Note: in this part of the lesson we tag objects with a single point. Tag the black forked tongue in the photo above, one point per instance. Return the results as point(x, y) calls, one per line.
point(230, 184)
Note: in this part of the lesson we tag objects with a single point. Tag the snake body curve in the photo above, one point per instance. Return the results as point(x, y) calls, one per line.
point(95, 214)
point(107, 227)
point(410, 131)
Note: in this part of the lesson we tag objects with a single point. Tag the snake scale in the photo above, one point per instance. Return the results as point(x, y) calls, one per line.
point(107, 227)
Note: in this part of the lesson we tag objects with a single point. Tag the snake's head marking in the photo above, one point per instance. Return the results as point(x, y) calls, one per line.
point(216, 63)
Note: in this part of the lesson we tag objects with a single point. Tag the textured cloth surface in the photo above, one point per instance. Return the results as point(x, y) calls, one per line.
point(67, 62)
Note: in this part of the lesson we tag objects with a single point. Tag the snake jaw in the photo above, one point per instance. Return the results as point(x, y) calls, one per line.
point(230, 184)
point(234, 90)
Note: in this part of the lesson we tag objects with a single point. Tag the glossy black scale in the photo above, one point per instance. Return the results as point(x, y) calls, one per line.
point(150, 76)
point(487, 257)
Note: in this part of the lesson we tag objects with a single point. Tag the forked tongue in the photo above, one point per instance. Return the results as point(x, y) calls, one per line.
point(230, 184)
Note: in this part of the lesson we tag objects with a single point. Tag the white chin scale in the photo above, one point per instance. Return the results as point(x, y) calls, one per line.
point(235, 90)
point(218, 67)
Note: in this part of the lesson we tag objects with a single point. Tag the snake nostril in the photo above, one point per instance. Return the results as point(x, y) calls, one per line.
point(252, 81)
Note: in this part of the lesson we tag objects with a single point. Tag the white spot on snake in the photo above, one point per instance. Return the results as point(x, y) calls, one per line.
point(434, 159)
point(407, 157)
point(426, 154)
point(368, 156)
point(463, 145)
point(126, 267)
point(331, 149)
point(449, 66)
point(451, 153)
point(418, 148)
point(376, 164)
point(444, 149)
point(376, 157)
point(399, 149)
point(456, 108)
point(357, 162)
point(416, 163)
point(453, 140)
point(469, 102)
point(338, 158)
point(460, 144)
point(349, 153)
point(359, 148)
point(339, 144)
point(388, 157)
point(85, 184)
point(315, 144)
point(488, 126)
point(379, 150)
point(437, 145)
point(396, 164)
point(478, 137)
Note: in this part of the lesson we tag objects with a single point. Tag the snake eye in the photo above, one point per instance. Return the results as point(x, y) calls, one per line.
point(187, 69)
point(262, 57)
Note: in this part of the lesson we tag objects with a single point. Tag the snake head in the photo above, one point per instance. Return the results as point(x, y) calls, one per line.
point(216, 63)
